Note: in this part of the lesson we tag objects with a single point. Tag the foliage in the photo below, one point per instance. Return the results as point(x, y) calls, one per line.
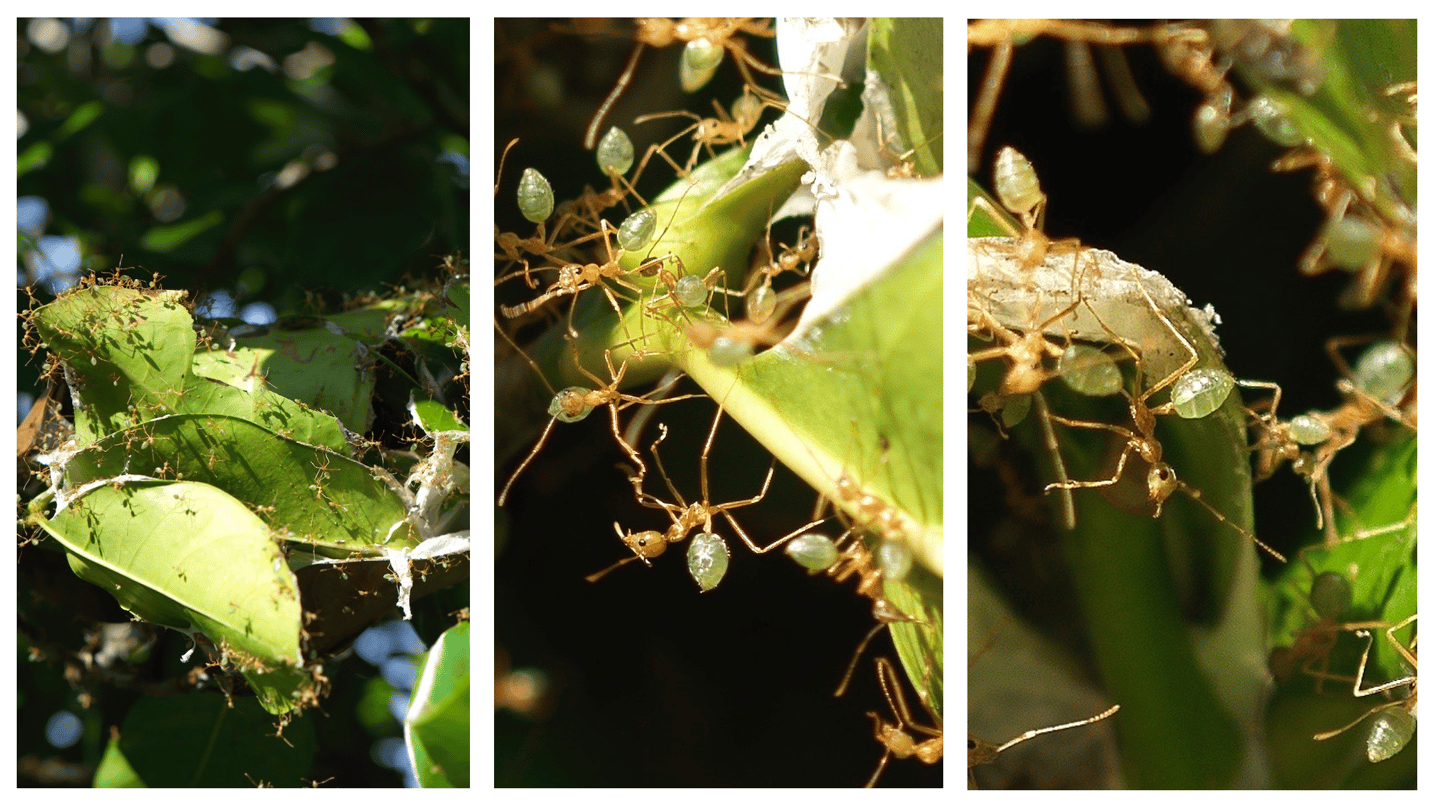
point(1170, 625)
point(270, 491)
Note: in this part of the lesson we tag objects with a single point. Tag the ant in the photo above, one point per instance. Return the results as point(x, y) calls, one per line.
point(688, 291)
point(761, 300)
point(709, 132)
point(632, 236)
point(706, 39)
point(895, 739)
point(1161, 480)
point(816, 553)
point(1027, 354)
point(575, 403)
point(1329, 432)
point(512, 246)
point(728, 343)
point(536, 202)
point(575, 278)
point(700, 514)
point(1395, 727)
point(1368, 243)
point(1018, 187)
point(1331, 595)
point(1189, 54)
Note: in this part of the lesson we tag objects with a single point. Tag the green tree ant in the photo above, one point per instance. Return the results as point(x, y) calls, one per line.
point(1160, 480)
point(648, 544)
point(575, 403)
point(894, 737)
point(709, 132)
point(1396, 721)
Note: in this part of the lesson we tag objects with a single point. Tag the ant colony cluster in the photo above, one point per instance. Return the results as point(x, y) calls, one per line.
point(1047, 310)
point(611, 293)
point(577, 259)
point(1103, 374)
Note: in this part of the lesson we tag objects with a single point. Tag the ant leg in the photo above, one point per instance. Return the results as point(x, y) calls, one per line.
point(855, 660)
point(725, 511)
point(655, 452)
point(985, 104)
point(1131, 438)
point(528, 457)
point(594, 129)
point(1052, 444)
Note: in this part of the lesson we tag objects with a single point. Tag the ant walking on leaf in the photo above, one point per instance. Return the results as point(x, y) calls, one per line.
point(536, 201)
point(1331, 596)
point(709, 132)
point(635, 233)
point(766, 323)
point(761, 300)
point(1161, 480)
point(575, 278)
point(1311, 441)
point(816, 553)
point(896, 740)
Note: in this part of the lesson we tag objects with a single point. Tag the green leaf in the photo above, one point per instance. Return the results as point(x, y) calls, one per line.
point(313, 495)
point(196, 740)
point(432, 415)
point(127, 348)
point(1378, 556)
point(368, 323)
point(189, 556)
point(33, 157)
point(165, 238)
point(873, 362)
point(316, 366)
point(905, 52)
point(981, 222)
point(83, 117)
point(1383, 570)
point(437, 726)
point(853, 405)
point(130, 352)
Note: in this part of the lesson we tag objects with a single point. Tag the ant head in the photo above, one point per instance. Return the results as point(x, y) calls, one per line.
point(647, 544)
point(1160, 482)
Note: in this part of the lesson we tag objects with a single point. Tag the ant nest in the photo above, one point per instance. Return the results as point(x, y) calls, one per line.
point(1113, 294)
